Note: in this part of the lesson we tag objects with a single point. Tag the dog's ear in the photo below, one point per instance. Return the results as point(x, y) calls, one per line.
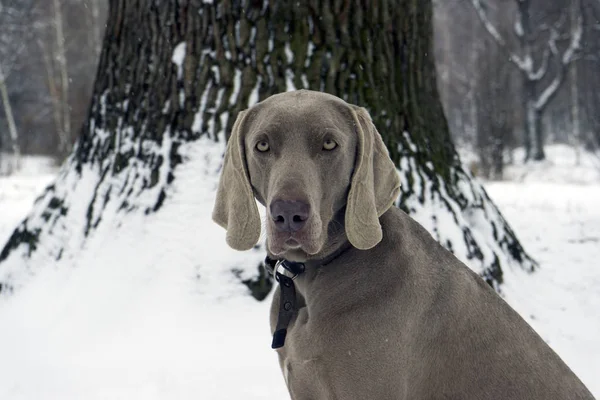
point(375, 184)
point(235, 208)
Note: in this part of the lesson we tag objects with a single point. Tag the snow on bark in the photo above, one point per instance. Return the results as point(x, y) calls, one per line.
point(463, 219)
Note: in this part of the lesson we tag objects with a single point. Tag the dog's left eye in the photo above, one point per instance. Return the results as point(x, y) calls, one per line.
point(262, 146)
point(329, 144)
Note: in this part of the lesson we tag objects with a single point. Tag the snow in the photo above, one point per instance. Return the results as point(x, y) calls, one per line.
point(253, 98)
point(237, 84)
point(560, 166)
point(518, 28)
point(149, 308)
point(289, 81)
point(18, 191)
point(198, 118)
point(289, 54)
point(178, 57)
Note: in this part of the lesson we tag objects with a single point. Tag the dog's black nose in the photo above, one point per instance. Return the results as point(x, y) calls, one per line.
point(289, 215)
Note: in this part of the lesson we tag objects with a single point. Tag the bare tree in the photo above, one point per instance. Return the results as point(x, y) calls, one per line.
point(51, 41)
point(585, 84)
point(543, 67)
point(495, 120)
point(13, 33)
point(12, 127)
point(61, 59)
point(93, 16)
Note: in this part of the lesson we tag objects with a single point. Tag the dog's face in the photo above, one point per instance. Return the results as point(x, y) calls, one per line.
point(319, 167)
point(300, 156)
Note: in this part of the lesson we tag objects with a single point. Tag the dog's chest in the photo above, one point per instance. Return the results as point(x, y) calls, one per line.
point(304, 360)
point(325, 356)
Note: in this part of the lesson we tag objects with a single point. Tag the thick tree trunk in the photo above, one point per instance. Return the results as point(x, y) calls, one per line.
point(180, 71)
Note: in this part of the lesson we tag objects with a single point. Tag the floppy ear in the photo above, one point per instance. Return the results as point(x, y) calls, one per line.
point(235, 208)
point(375, 184)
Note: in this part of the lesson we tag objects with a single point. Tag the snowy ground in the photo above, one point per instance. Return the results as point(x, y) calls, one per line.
point(563, 164)
point(17, 192)
point(123, 326)
point(559, 224)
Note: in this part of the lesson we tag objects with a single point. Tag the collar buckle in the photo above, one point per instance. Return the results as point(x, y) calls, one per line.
point(288, 269)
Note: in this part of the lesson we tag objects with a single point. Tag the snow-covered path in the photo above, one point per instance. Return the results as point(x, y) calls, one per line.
point(115, 331)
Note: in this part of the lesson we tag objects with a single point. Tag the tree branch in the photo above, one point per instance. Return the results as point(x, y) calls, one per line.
point(523, 65)
point(541, 72)
point(568, 57)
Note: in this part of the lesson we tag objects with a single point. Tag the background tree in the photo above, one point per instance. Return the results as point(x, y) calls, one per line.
point(68, 40)
point(179, 72)
point(13, 21)
point(542, 57)
point(494, 117)
point(589, 79)
point(51, 74)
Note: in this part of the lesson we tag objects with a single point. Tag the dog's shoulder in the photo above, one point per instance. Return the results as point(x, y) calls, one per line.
point(405, 237)
point(410, 249)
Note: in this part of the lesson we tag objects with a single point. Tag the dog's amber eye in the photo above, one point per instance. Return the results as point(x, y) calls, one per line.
point(329, 144)
point(262, 146)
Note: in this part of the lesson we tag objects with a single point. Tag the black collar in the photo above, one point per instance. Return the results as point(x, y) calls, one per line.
point(292, 269)
point(284, 272)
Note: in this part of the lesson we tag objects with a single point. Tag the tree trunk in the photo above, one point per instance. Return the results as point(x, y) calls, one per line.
point(96, 29)
point(529, 138)
point(577, 141)
point(12, 126)
point(180, 72)
point(65, 135)
point(538, 150)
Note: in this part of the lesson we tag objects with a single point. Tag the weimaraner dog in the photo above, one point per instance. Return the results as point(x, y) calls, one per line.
point(378, 309)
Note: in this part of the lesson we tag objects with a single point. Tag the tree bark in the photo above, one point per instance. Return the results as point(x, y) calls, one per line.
point(181, 71)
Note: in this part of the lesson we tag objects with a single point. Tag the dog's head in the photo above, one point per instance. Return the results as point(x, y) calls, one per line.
point(319, 167)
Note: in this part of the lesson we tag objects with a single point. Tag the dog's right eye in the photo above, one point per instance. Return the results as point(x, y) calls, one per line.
point(262, 146)
point(329, 144)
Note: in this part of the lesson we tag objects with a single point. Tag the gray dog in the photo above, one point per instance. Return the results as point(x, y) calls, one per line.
point(378, 309)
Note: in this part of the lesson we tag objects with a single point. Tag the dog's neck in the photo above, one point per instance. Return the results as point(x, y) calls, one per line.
point(295, 278)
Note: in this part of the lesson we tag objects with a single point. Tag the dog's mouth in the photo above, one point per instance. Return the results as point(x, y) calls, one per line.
point(284, 243)
point(292, 243)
